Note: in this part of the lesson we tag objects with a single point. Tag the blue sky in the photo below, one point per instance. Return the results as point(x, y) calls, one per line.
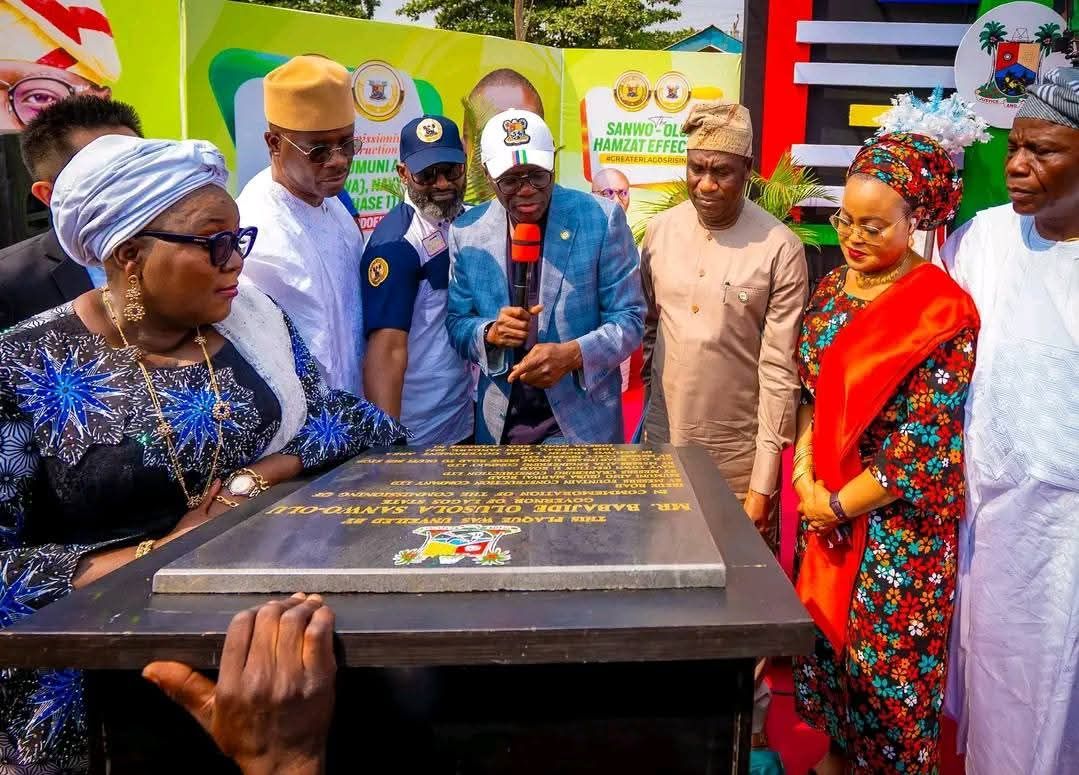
point(695, 13)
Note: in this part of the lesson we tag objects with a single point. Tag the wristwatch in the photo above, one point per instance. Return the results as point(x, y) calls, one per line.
point(837, 507)
point(246, 483)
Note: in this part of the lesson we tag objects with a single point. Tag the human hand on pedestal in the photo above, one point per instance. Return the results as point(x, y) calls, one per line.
point(271, 708)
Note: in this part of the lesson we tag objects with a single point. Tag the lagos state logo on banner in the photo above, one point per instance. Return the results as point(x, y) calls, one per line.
point(1003, 54)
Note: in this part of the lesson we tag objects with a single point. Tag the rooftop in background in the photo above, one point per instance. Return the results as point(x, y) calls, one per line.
point(711, 38)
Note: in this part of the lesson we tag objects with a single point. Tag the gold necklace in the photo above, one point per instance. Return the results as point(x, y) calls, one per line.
point(222, 409)
point(873, 280)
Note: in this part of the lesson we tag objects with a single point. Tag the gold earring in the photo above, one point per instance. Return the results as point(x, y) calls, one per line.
point(133, 310)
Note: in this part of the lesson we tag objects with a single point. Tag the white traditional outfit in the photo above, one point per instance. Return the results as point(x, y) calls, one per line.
point(1014, 678)
point(1014, 674)
point(307, 257)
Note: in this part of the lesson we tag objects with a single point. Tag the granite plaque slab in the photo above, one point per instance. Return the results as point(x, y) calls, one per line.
point(470, 518)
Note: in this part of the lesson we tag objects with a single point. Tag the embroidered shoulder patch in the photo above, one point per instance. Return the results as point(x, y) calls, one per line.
point(377, 272)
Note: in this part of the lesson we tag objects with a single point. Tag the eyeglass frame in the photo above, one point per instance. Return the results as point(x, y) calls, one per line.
point(210, 241)
point(458, 168)
point(521, 179)
point(72, 91)
point(357, 146)
point(835, 217)
point(611, 193)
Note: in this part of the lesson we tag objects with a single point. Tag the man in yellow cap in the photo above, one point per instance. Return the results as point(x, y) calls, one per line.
point(52, 51)
point(725, 284)
point(307, 256)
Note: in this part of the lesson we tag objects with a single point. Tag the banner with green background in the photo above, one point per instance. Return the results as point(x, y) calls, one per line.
point(399, 72)
point(623, 110)
point(194, 68)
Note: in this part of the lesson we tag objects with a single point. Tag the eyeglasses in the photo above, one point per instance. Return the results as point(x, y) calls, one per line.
point(430, 175)
point(321, 154)
point(511, 184)
point(28, 96)
point(613, 193)
point(869, 234)
point(221, 245)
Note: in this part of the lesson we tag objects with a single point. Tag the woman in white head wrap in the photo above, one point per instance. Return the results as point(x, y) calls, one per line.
point(139, 411)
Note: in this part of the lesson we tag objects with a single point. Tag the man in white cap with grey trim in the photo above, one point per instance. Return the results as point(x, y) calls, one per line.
point(1013, 676)
point(549, 369)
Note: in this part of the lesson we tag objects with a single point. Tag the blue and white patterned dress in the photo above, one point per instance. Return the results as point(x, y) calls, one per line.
point(82, 467)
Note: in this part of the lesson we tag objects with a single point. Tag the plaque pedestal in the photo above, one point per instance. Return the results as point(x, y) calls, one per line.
point(582, 681)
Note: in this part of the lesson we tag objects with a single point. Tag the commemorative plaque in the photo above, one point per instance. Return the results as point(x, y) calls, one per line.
point(468, 519)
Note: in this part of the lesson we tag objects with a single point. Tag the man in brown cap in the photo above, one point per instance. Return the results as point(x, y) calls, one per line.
point(307, 256)
point(725, 284)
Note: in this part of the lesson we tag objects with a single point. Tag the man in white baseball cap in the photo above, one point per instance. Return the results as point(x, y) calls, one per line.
point(550, 366)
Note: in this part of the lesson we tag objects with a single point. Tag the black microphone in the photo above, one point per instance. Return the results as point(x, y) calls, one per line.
point(524, 252)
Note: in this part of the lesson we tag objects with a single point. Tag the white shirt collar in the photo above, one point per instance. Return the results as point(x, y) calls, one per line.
point(442, 224)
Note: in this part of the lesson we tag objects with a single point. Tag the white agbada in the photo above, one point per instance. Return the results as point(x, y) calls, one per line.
point(308, 260)
point(1014, 675)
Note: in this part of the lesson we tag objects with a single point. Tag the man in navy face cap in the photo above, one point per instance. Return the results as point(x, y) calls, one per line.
point(410, 369)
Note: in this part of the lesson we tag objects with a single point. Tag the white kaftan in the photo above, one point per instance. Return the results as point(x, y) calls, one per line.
point(1014, 673)
point(307, 259)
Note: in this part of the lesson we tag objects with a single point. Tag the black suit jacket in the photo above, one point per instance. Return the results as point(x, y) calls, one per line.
point(36, 275)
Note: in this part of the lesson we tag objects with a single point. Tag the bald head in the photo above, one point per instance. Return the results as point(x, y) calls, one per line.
point(612, 184)
point(499, 90)
point(506, 89)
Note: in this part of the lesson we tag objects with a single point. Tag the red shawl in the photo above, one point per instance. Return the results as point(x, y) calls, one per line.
point(859, 374)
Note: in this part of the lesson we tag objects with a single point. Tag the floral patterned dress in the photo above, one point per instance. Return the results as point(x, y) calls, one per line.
point(881, 699)
point(82, 467)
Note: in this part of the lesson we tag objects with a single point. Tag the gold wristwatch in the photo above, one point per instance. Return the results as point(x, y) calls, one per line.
point(246, 483)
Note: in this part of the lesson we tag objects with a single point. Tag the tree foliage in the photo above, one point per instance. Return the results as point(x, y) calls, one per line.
point(358, 9)
point(562, 23)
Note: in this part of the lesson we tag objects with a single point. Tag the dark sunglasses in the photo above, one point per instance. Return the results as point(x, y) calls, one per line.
point(511, 184)
point(221, 245)
point(320, 154)
point(430, 175)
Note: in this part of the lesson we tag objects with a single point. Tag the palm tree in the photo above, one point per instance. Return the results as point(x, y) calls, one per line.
point(477, 114)
point(1047, 34)
point(778, 195)
point(993, 34)
point(391, 186)
point(667, 195)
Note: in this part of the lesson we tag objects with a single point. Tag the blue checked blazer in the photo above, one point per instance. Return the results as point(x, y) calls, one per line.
point(590, 290)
